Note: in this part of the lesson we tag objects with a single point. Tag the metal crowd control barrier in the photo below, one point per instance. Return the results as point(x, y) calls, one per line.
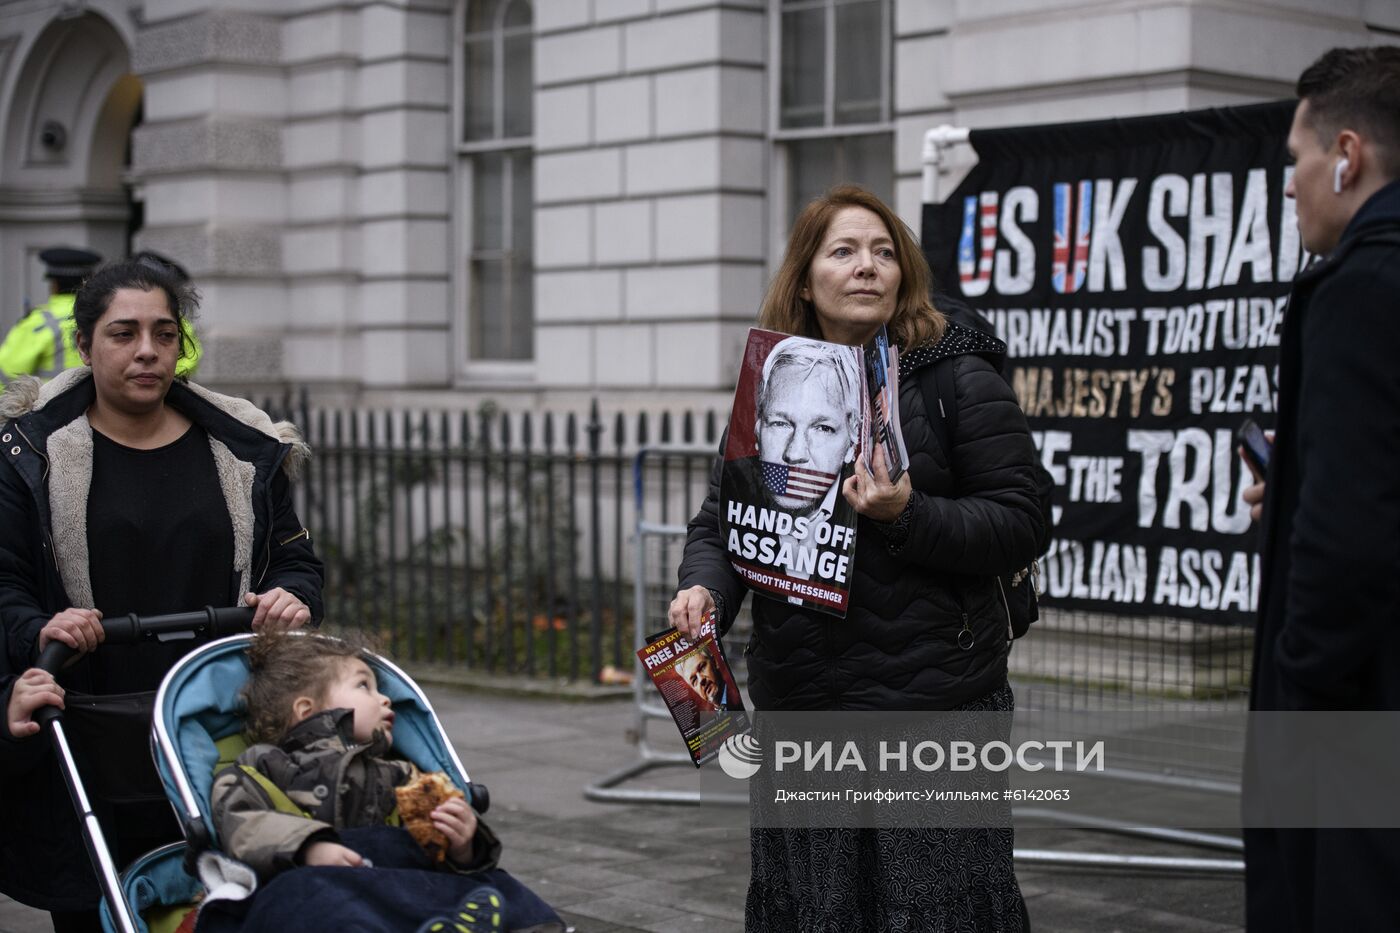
point(658, 550)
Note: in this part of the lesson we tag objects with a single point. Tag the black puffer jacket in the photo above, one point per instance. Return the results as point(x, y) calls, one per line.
point(898, 646)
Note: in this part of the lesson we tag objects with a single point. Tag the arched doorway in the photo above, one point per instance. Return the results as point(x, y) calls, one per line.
point(65, 153)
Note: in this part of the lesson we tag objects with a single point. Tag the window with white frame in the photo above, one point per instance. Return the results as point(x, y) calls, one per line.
point(832, 93)
point(496, 120)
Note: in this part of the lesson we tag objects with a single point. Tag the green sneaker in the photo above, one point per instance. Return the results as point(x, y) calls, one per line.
point(484, 911)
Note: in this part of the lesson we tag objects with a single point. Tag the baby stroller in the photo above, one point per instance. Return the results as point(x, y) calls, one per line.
point(111, 727)
point(196, 729)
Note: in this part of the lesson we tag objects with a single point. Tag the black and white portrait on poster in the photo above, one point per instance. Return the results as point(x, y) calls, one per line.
point(794, 433)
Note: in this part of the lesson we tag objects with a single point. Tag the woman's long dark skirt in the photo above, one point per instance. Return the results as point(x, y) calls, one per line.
point(887, 880)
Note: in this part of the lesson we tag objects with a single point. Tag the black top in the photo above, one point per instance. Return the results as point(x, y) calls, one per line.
point(159, 541)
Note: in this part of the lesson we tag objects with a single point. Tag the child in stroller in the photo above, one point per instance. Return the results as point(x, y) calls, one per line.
point(275, 804)
point(323, 732)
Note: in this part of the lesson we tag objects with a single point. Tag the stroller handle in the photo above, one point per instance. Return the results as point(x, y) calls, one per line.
point(122, 630)
point(129, 629)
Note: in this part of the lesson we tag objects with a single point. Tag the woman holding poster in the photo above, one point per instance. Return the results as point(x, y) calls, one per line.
point(924, 628)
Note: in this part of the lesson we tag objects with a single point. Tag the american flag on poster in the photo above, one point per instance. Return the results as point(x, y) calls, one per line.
point(784, 480)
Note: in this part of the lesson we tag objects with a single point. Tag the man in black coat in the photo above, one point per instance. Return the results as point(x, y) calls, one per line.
point(1328, 637)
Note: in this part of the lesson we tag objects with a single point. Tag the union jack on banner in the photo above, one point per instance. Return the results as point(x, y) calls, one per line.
point(1081, 234)
point(1067, 276)
point(795, 482)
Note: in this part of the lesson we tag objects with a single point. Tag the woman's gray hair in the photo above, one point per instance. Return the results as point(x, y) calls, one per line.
point(803, 351)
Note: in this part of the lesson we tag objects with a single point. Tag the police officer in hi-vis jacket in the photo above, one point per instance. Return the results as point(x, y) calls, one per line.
point(41, 344)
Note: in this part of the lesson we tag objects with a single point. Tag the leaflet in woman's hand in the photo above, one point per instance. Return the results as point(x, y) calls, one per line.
point(695, 681)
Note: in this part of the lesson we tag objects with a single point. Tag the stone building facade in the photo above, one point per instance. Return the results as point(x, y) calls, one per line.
point(433, 202)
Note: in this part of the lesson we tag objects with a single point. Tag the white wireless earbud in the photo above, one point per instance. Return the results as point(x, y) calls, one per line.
point(1342, 165)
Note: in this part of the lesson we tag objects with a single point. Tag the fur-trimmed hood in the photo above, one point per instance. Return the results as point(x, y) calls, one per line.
point(20, 397)
point(28, 394)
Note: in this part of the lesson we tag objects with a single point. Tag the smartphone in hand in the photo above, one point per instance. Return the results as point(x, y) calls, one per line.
point(1257, 448)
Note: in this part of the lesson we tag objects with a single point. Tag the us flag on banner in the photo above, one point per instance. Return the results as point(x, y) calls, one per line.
point(801, 416)
point(795, 482)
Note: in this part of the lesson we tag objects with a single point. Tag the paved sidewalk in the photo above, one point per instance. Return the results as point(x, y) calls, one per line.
point(630, 868)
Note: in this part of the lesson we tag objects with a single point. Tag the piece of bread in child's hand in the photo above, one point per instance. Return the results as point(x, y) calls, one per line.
point(417, 801)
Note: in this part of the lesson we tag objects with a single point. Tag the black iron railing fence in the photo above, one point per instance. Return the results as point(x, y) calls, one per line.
point(489, 539)
point(505, 543)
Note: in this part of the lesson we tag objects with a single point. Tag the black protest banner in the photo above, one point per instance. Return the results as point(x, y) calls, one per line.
point(1138, 271)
